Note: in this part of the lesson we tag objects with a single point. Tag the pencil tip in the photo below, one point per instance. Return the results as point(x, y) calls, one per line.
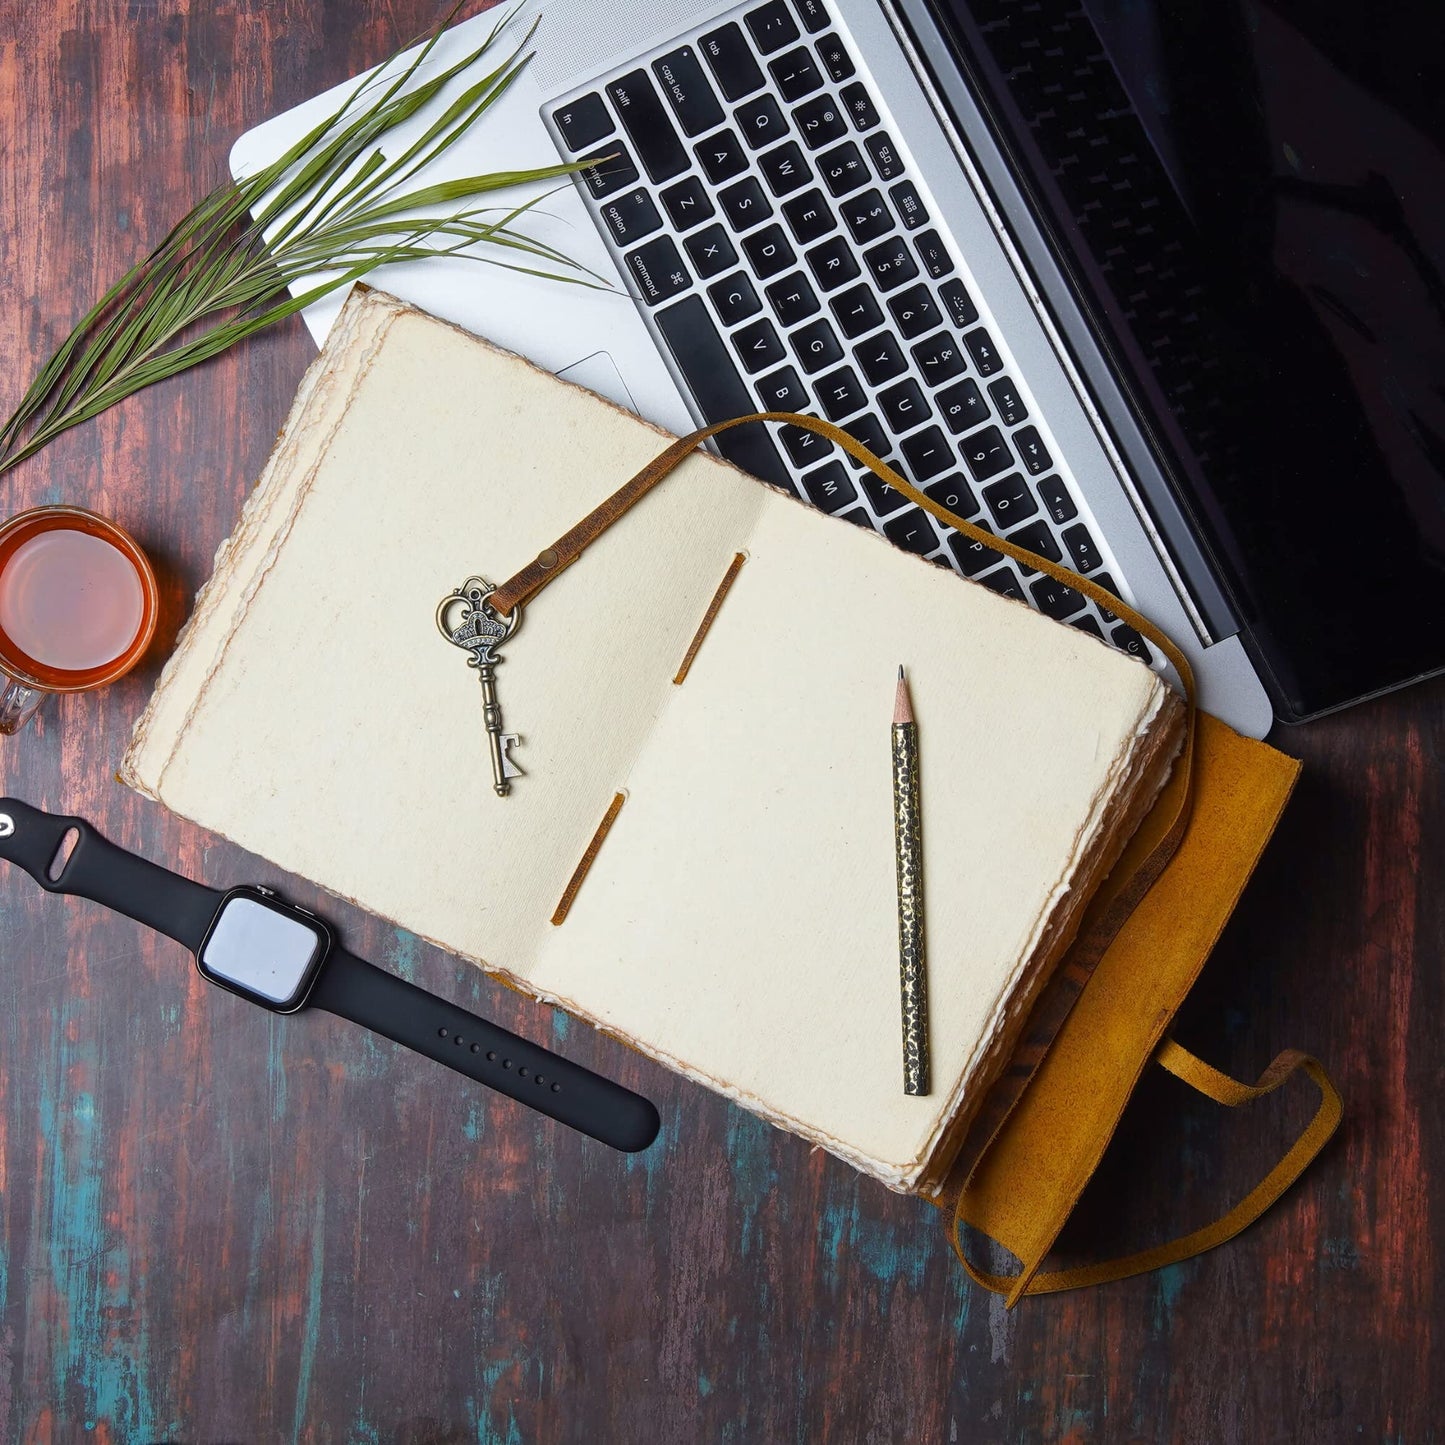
point(902, 703)
point(900, 672)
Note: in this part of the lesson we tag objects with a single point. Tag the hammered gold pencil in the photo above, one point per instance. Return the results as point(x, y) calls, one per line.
point(908, 845)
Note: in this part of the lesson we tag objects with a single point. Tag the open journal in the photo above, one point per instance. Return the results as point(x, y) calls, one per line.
point(738, 921)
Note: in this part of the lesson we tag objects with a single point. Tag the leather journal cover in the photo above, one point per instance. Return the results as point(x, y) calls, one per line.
point(699, 857)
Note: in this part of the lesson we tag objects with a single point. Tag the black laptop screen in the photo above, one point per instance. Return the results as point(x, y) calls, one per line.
point(1278, 263)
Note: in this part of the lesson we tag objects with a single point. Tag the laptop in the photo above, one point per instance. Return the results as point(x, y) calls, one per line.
point(1155, 290)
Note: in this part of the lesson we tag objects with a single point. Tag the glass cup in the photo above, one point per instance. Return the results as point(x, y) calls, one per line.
point(78, 606)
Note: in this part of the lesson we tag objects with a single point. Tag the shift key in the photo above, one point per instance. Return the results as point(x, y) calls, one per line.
point(686, 89)
point(646, 122)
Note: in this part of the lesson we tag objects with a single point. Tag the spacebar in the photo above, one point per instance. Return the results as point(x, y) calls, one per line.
point(712, 377)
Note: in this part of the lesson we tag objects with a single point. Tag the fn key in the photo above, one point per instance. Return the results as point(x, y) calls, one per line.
point(658, 270)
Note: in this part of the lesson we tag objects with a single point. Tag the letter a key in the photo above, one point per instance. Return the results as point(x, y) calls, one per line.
point(466, 621)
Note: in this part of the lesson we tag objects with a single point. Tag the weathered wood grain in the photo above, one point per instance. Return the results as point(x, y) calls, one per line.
point(217, 1226)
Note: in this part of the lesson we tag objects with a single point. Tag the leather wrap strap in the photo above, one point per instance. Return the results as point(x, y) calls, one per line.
point(1231, 1093)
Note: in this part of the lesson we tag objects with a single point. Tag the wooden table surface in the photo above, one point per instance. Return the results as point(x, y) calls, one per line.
point(216, 1225)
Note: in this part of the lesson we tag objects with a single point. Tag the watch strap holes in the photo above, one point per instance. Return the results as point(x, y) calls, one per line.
point(63, 854)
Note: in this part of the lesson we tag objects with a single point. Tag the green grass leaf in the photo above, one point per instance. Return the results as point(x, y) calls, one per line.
point(335, 209)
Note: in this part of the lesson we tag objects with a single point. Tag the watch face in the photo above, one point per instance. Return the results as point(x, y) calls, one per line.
point(263, 950)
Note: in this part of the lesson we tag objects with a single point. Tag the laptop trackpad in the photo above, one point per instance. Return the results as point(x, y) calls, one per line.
point(599, 373)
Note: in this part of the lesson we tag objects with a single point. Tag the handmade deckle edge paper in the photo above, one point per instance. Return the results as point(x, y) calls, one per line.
point(1133, 776)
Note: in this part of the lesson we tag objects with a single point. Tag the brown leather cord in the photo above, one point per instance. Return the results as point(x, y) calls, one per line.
point(1223, 1090)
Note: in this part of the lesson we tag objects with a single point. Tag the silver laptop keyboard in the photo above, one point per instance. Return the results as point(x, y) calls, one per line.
point(786, 260)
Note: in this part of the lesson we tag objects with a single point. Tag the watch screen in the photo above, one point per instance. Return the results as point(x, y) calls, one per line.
point(260, 950)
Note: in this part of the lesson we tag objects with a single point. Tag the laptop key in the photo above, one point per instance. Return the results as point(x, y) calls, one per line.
point(735, 299)
point(686, 89)
point(1007, 401)
point(1086, 623)
point(1057, 501)
point(758, 346)
point(809, 216)
point(782, 391)
point(985, 356)
point(816, 345)
point(803, 447)
point(611, 170)
point(958, 303)
point(819, 121)
point(631, 217)
point(962, 406)
point(784, 169)
point(915, 311)
point(886, 160)
point(939, 358)
point(721, 157)
point(1105, 581)
point(927, 454)
point(730, 58)
point(912, 531)
point(796, 74)
point(710, 251)
point(793, 299)
point(1031, 448)
point(841, 394)
point(1056, 599)
point(772, 26)
point(869, 431)
point(687, 203)
point(891, 263)
point(836, 60)
point(909, 205)
point(652, 134)
point(859, 105)
point(987, 454)
point(582, 122)
point(1004, 580)
point(812, 14)
point(711, 374)
point(761, 122)
point(1082, 551)
point(881, 358)
point(843, 169)
point(829, 487)
point(904, 405)
point(744, 204)
point(658, 270)
point(1010, 500)
point(886, 499)
point(769, 251)
point(867, 217)
point(955, 494)
point(1126, 639)
point(934, 255)
point(832, 263)
point(973, 557)
point(857, 311)
point(1037, 537)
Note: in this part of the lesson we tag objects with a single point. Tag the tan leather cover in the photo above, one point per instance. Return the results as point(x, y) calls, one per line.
point(1028, 1179)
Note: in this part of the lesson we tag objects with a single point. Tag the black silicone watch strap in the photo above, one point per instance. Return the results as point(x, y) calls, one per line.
point(388, 1005)
point(98, 870)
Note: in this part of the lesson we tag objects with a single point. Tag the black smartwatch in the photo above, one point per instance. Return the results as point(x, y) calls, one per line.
point(251, 943)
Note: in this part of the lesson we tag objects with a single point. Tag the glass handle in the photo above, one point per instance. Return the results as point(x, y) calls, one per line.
point(17, 704)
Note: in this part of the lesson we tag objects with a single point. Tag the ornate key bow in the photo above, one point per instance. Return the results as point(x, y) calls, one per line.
point(466, 621)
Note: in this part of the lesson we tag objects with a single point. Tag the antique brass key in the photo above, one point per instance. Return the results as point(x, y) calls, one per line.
point(466, 621)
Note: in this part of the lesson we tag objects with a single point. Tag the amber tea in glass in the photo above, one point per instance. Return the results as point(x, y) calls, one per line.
point(78, 606)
